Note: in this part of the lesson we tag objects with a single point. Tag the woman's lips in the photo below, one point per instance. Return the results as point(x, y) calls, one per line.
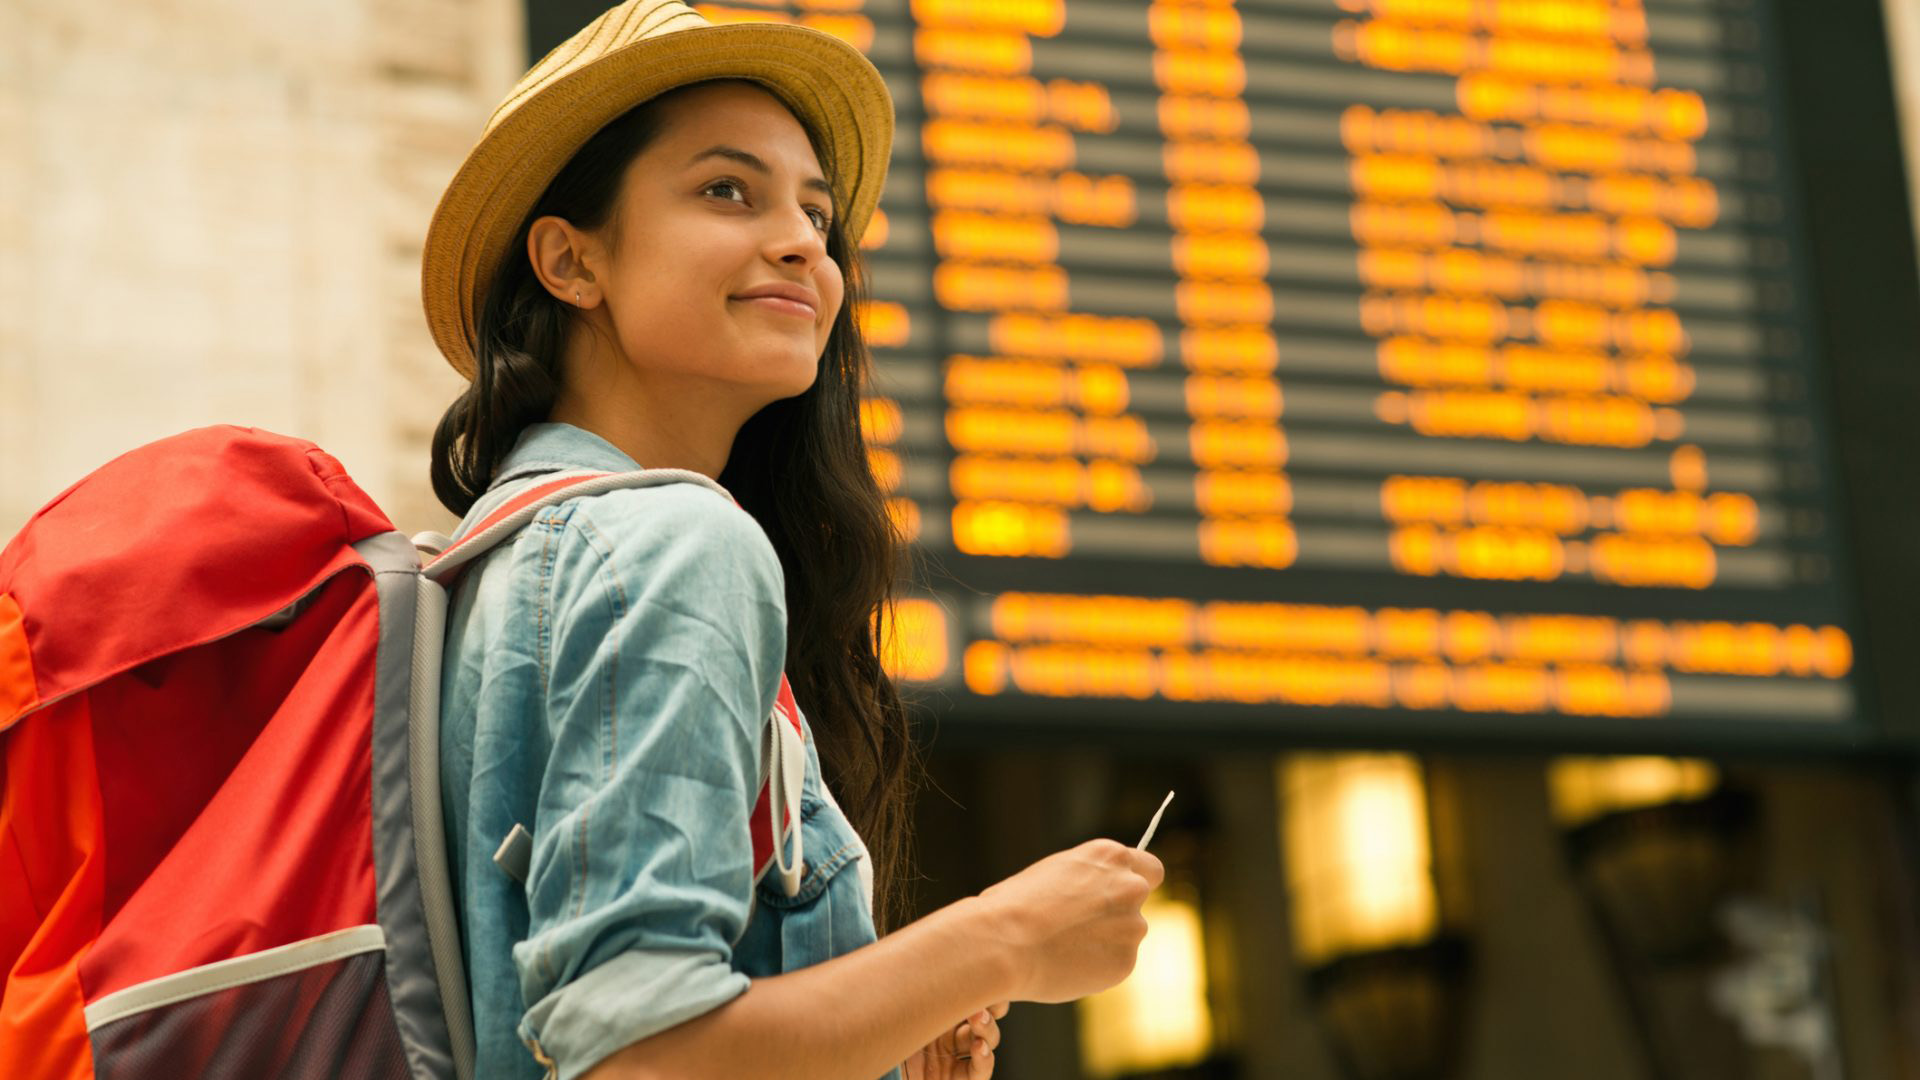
point(782, 305)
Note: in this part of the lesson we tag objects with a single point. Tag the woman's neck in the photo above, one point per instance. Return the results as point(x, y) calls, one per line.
point(661, 423)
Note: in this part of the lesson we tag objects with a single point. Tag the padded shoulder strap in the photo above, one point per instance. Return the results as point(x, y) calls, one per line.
point(519, 510)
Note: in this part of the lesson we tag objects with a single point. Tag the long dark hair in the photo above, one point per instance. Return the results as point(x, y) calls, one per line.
point(799, 466)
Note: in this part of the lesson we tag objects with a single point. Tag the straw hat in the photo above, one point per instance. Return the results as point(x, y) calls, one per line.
point(634, 52)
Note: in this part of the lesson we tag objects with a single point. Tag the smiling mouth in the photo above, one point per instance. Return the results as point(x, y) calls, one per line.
point(781, 304)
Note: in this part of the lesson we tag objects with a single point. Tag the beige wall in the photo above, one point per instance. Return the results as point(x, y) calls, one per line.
point(211, 212)
point(1903, 31)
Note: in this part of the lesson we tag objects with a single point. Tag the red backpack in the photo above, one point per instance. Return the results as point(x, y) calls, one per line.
point(221, 848)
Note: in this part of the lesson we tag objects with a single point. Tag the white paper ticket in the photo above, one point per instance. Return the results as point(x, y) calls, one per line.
point(1155, 823)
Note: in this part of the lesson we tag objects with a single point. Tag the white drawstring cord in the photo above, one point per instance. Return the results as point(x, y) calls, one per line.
point(786, 777)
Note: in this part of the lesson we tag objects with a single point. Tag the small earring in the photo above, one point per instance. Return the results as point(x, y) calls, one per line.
point(576, 296)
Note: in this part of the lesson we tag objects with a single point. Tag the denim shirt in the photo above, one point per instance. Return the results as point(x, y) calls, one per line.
point(607, 676)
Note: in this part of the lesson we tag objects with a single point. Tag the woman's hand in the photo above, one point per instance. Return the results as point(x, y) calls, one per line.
point(1073, 918)
point(965, 1053)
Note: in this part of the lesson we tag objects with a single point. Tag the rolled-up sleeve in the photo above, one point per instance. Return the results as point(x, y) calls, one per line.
point(663, 635)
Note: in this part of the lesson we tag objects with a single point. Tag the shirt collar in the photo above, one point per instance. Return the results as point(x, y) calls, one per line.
point(547, 447)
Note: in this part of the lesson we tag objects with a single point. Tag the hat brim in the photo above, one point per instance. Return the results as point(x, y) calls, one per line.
point(828, 83)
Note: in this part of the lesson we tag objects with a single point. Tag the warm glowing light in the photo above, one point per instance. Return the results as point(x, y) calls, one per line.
point(1234, 162)
point(1628, 559)
point(877, 229)
point(1082, 106)
point(1249, 492)
point(1091, 200)
point(1049, 432)
point(855, 30)
point(1128, 342)
point(1574, 18)
point(1393, 45)
point(1725, 517)
point(881, 420)
point(1105, 620)
point(1021, 99)
point(984, 666)
point(1219, 255)
point(1270, 544)
point(1216, 302)
point(1584, 149)
point(1204, 117)
point(1237, 443)
point(1466, 318)
point(905, 515)
point(1649, 377)
point(1426, 224)
point(1100, 389)
point(1460, 270)
point(1042, 18)
point(1229, 397)
point(998, 52)
point(913, 640)
point(1182, 71)
point(965, 235)
point(1198, 26)
point(998, 190)
point(1010, 146)
point(1100, 485)
point(885, 323)
point(1208, 207)
point(1667, 113)
point(1157, 1018)
point(1486, 552)
point(1357, 852)
point(1414, 131)
point(1253, 652)
point(1229, 348)
point(1585, 788)
point(886, 468)
point(961, 286)
point(1008, 528)
point(729, 13)
point(1687, 201)
point(1309, 628)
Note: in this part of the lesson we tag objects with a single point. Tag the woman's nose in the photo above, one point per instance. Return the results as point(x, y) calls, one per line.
point(797, 239)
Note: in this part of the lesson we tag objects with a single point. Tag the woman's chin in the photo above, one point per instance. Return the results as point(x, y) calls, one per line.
point(794, 378)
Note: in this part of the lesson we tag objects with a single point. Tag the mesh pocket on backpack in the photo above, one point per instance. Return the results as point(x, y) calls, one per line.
point(321, 1022)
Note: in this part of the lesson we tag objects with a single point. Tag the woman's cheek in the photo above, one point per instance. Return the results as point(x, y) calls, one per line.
point(833, 294)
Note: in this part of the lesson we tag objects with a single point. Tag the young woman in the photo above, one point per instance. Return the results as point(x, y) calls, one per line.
point(680, 295)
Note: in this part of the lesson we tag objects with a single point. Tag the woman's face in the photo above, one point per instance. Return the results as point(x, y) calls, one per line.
point(721, 283)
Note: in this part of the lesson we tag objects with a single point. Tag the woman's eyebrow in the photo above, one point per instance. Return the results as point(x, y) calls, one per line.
point(753, 162)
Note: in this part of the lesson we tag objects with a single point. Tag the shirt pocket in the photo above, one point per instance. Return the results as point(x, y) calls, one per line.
point(828, 915)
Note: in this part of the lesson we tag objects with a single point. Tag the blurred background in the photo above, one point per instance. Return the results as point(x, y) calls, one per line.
point(1463, 447)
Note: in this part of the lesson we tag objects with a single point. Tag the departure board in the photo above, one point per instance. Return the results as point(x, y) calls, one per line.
point(1432, 364)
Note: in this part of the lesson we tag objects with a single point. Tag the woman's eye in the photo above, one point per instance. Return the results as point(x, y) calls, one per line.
point(729, 185)
point(821, 219)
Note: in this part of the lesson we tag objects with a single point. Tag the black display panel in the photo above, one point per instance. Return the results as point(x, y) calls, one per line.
point(1364, 370)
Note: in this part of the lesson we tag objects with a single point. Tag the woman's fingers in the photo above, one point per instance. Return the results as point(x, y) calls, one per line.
point(976, 1038)
point(984, 1027)
point(980, 1065)
point(985, 1036)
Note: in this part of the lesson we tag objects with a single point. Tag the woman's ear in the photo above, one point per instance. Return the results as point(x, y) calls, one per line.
point(564, 258)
